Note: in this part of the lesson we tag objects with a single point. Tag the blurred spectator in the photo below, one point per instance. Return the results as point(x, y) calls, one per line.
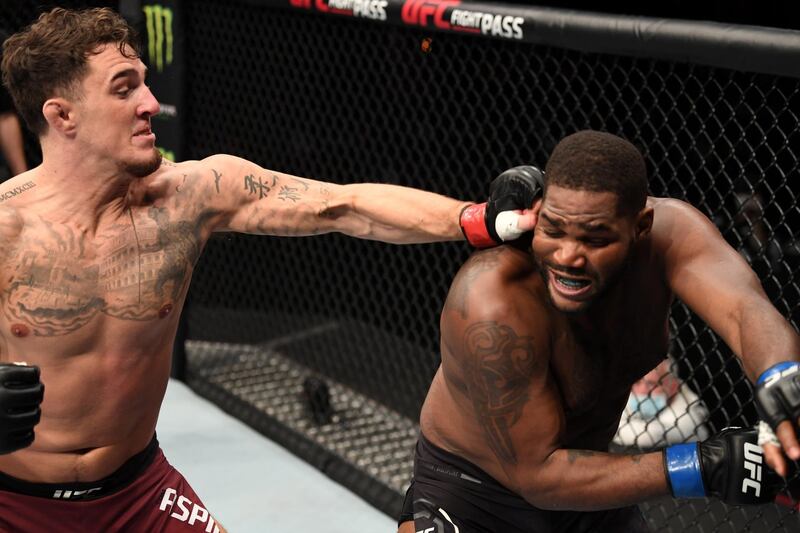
point(661, 411)
point(12, 147)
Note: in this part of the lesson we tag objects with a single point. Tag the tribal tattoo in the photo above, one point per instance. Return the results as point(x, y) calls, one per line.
point(501, 364)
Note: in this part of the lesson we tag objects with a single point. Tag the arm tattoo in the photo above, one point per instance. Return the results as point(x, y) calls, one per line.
point(302, 183)
point(178, 187)
point(499, 370)
point(256, 185)
point(289, 193)
point(217, 177)
point(574, 455)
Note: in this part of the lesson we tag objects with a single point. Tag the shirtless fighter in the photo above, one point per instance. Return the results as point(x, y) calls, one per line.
point(539, 352)
point(97, 247)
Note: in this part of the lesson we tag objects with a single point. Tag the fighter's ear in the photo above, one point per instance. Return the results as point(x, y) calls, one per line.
point(644, 222)
point(60, 115)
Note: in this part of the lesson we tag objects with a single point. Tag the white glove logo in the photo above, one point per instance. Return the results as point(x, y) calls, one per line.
point(753, 457)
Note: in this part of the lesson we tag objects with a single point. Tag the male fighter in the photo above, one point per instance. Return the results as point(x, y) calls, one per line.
point(539, 352)
point(97, 247)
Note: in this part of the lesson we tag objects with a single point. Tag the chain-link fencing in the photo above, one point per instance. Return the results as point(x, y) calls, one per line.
point(345, 100)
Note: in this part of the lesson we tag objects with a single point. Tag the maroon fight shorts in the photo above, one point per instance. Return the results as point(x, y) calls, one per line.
point(144, 494)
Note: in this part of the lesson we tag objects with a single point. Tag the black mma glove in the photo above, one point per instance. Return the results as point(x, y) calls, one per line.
point(778, 394)
point(21, 392)
point(729, 466)
point(495, 222)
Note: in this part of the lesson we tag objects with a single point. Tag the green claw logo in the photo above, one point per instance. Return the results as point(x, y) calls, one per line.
point(159, 35)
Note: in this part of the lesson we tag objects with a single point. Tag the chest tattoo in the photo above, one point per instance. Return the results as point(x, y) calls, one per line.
point(61, 279)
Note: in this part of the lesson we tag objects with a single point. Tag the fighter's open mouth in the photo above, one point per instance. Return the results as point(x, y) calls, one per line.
point(571, 283)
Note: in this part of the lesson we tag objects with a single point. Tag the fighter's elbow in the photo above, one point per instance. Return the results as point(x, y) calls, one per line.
point(547, 486)
point(344, 220)
point(540, 488)
point(542, 496)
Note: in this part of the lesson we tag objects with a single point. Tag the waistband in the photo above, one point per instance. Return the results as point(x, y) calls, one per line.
point(436, 462)
point(439, 467)
point(86, 490)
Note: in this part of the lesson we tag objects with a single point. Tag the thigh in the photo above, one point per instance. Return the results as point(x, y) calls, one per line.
point(421, 514)
point(406, 527)
point(181, 510)
point(451, 509)
point(430, 517)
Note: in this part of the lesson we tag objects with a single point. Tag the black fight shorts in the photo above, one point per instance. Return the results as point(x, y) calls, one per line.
point(451, 495)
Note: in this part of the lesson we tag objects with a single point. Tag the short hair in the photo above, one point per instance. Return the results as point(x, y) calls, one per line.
point(49, 57)
point(600, 162)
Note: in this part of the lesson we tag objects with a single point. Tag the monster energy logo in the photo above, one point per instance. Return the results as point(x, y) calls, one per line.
point(159, 35)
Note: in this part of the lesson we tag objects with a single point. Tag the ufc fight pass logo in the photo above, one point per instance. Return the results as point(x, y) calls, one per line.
point(753, 457)
point(369, 9)
point(447, 15)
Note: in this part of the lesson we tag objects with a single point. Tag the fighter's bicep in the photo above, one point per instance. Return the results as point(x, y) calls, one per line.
point(253, 199)
point(705, 272)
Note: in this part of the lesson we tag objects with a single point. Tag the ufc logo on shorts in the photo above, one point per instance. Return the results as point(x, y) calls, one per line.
point(752, 463)
point(429, 530)
point(187, 511)
point(73, 494)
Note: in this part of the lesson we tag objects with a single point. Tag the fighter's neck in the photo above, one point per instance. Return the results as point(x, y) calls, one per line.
point(608, 312)
point(77, 192)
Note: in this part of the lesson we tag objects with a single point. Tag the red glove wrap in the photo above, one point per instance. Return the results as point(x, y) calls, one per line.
point(473, 225)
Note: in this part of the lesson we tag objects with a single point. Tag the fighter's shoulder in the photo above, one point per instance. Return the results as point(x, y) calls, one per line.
point(12, 204)
point(174, 177)
point(171, 170)
point(11, 224)
point(496, 283)
point(208, 170)
point(500, 265)
point(674, 218)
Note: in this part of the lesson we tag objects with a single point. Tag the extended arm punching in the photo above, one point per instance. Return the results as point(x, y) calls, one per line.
point(252, 199)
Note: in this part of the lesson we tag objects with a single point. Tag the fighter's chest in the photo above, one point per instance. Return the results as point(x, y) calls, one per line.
point(591, 371)
point(57, 279)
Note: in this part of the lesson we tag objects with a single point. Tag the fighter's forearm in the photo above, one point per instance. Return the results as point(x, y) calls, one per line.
point(583, 480)
point(765, 338)
point(397, 214)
